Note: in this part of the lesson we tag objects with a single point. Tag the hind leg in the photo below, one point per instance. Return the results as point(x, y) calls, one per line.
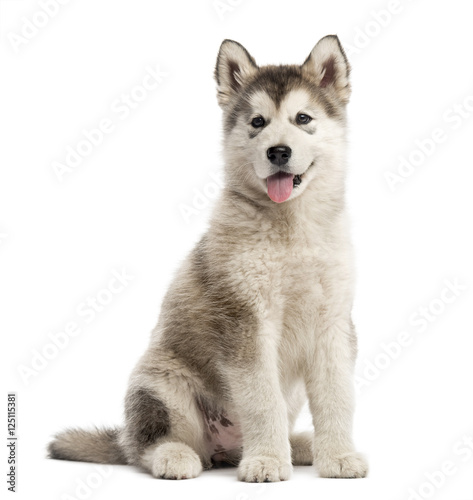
point(172, 460)
point(164, 428)
point(301, 443)
point(301, 448)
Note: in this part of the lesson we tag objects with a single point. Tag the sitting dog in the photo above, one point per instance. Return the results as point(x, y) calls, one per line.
point(258, 317)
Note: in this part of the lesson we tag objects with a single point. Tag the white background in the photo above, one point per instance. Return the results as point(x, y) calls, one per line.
point(121, 208)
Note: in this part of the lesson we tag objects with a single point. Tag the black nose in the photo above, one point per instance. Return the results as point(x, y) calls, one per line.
point(279, 155)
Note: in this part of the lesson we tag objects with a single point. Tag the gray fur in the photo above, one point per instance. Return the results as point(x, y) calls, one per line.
point(147, 418)
point(99, 445)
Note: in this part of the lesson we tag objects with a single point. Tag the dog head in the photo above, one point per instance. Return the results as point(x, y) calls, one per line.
point(284, 125)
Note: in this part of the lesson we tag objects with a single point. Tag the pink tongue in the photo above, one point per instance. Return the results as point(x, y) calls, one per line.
point(279, 186)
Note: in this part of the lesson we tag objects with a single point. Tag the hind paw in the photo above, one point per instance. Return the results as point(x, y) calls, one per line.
point(175, 461)
point(261, 469)
point(349, 465)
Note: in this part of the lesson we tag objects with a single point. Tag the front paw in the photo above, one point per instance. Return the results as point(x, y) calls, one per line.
point(347, 465)
point(259, 469)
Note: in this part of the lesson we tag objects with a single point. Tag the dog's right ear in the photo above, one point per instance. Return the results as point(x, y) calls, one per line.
point(234, 66)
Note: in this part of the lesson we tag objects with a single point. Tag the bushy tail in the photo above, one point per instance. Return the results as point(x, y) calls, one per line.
point(99, 446)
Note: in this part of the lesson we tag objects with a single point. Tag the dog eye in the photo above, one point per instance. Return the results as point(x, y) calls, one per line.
point(258, 122)
point(302, 119)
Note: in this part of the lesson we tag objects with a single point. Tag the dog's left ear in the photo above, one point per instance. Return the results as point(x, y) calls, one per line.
point(234, 66)
point(329, 64)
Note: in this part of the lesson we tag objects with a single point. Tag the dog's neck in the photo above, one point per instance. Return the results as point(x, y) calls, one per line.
point(311, 212)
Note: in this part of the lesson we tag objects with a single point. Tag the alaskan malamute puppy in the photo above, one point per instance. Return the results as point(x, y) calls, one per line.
point(258, 318)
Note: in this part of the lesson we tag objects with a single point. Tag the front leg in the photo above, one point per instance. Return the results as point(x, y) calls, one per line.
point(262, 412)
point(331, 400)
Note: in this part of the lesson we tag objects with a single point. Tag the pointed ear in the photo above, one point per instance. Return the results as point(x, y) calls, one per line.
point(329, 64)
point(234, 66)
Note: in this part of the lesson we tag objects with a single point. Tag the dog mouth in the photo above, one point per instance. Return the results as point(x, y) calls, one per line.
point(281, 184)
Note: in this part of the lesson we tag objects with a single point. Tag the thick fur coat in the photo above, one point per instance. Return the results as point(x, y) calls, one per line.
point(258, 318)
